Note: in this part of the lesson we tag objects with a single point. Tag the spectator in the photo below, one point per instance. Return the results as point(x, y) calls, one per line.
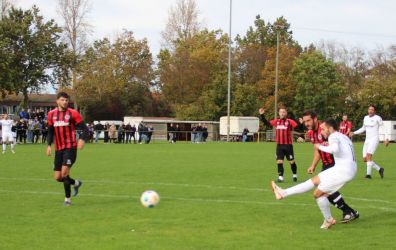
point(98, 128)
point(193, 134)
point(133, 133)
point(91, 132)
point(245, 135)
point(204, 133)
point(23, 114)
point(141, 129)
point(44, 131)
point(121, 133)
point(128, 131)
point(23, 131)
point(36, 130)
point(150, 130)
point(112, 133)
point(171, 133)
point(106, 132)
point(199, 133)
point(144, 138)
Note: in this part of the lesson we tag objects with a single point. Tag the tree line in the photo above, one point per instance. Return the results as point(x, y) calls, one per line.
point(110, 79)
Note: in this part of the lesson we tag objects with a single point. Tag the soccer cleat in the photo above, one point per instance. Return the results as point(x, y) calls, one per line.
point(368, 176)
point(3, 151)
point(295, 179)
point(328, 223)
point(13, 151)
point(67, 203)
point(76, 187)
point(381, 172)
point(279, 192)
point(350, 217)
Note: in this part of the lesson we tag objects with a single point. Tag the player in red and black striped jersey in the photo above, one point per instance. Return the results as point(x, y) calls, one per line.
point(345, 125)
point(62, 125)
point(284, 141)
point(315, 136)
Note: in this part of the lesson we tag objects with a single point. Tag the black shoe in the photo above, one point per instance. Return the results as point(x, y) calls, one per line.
point(368, 176)
point(350, 217)
point(295, 179)
point(76, 187)
point(381, 172)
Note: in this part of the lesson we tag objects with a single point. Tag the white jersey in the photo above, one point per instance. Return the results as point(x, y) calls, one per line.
point(341, 147)
point(6, 126)
point(371, 126)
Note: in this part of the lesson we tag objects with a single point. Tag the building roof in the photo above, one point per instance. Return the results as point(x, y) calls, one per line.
point(33, 98)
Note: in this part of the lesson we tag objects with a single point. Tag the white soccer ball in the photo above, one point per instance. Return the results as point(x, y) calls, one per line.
point(149, 199)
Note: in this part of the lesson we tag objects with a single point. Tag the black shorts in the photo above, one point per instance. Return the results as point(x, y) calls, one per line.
point(65, 157)
point(283, 150)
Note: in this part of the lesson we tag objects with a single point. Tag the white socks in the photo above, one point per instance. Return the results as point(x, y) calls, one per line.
point(324, 206)
point(4, 147)
point(300, 188)
point(12, 146)
point(370, 166)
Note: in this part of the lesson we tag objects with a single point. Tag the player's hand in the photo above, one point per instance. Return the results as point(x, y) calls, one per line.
point(261, 111)
point(311, 169)
point(351, 134)
point(49, 150)
point(301, 120)
point(386, 143)
point(317, 145)
point(80, 144)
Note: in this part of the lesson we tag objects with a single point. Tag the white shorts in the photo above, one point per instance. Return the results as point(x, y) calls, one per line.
point(9, 137)
point(369, 147)
point(332, 179)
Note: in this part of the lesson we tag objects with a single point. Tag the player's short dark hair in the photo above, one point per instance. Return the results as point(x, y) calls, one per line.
point(62, 94)
point(330, 122)
point(373, 106)
point(310, 113)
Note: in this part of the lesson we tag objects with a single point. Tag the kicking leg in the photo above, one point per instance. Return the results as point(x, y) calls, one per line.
point(297, 189)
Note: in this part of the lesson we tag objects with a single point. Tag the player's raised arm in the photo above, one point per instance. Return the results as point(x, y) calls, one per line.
point(262, 117)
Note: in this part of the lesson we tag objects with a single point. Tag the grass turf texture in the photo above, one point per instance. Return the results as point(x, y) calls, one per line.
point(213, 196)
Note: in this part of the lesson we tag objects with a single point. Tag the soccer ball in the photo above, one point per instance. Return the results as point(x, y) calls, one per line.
point(149, 199)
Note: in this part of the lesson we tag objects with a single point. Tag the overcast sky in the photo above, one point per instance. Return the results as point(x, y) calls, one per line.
point(365, 23)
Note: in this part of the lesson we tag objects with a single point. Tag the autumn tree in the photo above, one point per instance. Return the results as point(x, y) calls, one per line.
point(317, 84)
point(31, 53)
point(116, 78)
point(75, 29)
point(183, 23)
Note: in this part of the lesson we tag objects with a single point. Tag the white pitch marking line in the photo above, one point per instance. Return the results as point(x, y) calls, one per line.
point(185, 185)
point(187, 199)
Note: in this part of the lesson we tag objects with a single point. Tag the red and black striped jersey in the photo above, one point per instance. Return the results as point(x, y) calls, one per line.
point(283, 128)
point(64, 124)
point(316, 137)
point(344, 126)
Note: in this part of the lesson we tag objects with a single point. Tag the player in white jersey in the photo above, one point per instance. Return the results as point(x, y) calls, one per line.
point(7, 134)
point(371, 124)
point(331, 180)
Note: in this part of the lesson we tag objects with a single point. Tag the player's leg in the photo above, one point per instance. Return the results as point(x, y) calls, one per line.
point(371, 148)
point(348, 213)
point(6, 141)
point(297, 189)
point(292, 162)
point(365, 159)
point(280, 155)
point(13, 143)
point(324, 206)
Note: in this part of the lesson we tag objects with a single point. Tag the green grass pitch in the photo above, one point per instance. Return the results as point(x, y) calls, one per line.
point(213, 196)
